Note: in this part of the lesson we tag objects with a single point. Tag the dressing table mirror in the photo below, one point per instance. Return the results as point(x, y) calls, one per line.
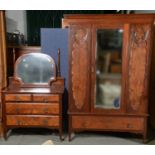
point(35, 68)
point(33, 97)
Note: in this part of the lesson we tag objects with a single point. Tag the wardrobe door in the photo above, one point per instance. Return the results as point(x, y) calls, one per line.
point(138, 67)
point(108, 68)
point(79, 68)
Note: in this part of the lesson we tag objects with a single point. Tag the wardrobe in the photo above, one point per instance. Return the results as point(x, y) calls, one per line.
point(109, 72)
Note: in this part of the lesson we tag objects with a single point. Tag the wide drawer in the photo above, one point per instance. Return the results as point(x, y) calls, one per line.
point(21, 120)
point(17, 97)
point(108, 123)
point(32, 108)
point(45, 98)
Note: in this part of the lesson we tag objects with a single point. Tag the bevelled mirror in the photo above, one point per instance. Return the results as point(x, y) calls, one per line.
point(35, 68)
point(108, 68)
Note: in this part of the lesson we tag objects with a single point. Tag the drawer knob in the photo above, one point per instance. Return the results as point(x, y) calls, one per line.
point(18, 122)
point(17, 98)
point(45, 110)
point(129, 126)
point(45, 99)
point(17, 110)
point(45, 122)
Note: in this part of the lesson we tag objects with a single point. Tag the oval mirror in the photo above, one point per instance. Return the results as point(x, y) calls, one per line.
point(35, 68)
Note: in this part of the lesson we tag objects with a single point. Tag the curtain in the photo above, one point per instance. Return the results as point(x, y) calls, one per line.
point(37, 19)
point(3, 79)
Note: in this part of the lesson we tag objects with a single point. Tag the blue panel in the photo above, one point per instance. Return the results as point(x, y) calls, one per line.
point(51, 40)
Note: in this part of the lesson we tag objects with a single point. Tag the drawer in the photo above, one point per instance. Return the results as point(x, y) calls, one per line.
point(18, 97)
point(32, 108)
point(45, 98)
point(108, 123)
point(22, 120)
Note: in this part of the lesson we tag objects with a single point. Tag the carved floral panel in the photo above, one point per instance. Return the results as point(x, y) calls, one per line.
point(80, 63)
point(138, 55)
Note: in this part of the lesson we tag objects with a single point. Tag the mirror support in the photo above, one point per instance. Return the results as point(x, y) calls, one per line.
point(59, 73)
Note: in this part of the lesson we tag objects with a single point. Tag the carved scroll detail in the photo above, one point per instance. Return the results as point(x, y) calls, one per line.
point(137, 64)
point(79, 65)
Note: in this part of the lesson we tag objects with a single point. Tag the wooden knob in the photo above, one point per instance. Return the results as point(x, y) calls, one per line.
point(45, 110)
point(17, 110)
point(18, 122)
point(129, 126)
point(45, 99)
point(17, 98)
point(45, 122)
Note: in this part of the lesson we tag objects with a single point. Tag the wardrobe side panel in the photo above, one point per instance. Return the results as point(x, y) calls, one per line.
point(139, 64)
point(79, 72)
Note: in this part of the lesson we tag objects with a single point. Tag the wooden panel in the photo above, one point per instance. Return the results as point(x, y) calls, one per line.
point(32, 108)
point(19, 51)
point(21, 120)
point(45, 98)
point(1, 130)
point(112, 123)
point(3, 67)
point(109, 18)
point(152, 88)
point(3, 79)
point(138, 67)
point(80, 64)
point(18, 97)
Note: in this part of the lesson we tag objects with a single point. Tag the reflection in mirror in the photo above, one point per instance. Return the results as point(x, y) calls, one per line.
point(35, 68)
point(108, 68)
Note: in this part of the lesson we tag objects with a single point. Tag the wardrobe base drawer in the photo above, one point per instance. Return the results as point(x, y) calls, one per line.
point(108, 123)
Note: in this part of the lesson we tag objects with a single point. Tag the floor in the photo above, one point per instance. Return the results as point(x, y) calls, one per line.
point(39, 136)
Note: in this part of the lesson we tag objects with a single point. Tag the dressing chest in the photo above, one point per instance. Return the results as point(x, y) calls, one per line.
point(34, 95)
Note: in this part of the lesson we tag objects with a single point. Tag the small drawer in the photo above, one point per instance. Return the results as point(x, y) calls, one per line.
point(45, 98)
point(22, 120)
point(32, 108)
point(18, 97)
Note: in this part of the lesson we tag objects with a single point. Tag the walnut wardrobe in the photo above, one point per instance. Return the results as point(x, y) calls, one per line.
point(109, 70)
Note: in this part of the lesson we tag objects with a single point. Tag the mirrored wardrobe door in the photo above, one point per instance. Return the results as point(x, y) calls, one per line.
point(107, 55)
point(108, 68)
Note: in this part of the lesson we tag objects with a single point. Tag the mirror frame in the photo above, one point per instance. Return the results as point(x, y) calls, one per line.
point(16, 77)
